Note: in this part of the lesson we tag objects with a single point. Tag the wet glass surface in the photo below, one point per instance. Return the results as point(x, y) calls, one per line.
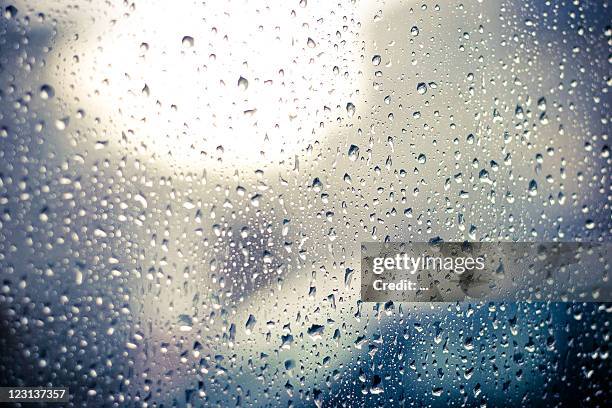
point(184, 189)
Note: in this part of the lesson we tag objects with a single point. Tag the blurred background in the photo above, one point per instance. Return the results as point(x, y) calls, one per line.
point(184, 188)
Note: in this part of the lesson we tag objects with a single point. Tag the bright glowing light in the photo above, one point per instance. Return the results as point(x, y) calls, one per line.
point(228, 80)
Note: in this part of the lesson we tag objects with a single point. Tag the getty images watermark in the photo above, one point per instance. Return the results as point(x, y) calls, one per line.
point(454, 271)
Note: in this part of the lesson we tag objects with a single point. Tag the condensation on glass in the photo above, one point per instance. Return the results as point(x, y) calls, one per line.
point(184, 188)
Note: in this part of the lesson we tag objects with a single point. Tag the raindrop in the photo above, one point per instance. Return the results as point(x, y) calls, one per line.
point(47, 92)
point(250, 324)
point(353, 152)
point(187, 41)
point(350, 109)
point(422, 88)
point(542, 104)
point(243, 83)
point(61, 124)
point(10, 12)
point(533, 188)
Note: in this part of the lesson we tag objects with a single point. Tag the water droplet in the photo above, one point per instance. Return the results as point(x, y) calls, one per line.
point(315, 331)
point(47, 92)
point(542, 104)
point(188, 41)
point(422, 88)
point(10, 12)
point(353, 152)
point(533, 188)
point(62, 124)
point(250, 324)
point(243, 83)
point(78, 276)
point(350, 109)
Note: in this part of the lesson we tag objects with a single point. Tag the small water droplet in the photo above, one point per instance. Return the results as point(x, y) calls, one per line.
point(350, 109)
point(542, 104)
point(62, 124)
point(353, 152)
point(188, 41)
point(243, 83)
point(250, 324)
point(10, 12)
point(533, 188)
point(47, 92)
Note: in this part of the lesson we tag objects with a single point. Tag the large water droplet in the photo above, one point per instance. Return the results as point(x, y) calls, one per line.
point(353, 152)
point(350, 109)
point(188, 41)
point(47, 92)
point(243, 83)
